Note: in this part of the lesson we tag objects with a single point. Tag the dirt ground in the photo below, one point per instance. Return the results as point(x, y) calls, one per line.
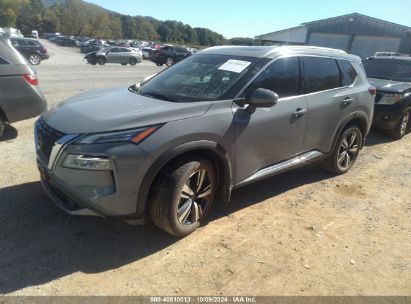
point(305, 232)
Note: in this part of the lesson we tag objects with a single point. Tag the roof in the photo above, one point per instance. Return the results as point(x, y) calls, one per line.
point(274, 51)
point(354, 15)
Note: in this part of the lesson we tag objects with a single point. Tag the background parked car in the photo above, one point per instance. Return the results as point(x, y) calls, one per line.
point(65, 41)
point(90, 48)
point(20, 96)
point(115, 54)
point(391, 75)
point(170, 55)
point(32, 49)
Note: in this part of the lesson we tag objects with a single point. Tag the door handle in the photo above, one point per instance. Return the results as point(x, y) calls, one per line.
point(348, 101)
point(300, 112)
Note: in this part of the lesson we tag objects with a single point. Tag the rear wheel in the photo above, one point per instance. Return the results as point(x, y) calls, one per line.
point(402, 127)
point(182, 196)
point(101, 61)
point(34, 59)
point(345, 152)
point(133, 61)
point(169, 61)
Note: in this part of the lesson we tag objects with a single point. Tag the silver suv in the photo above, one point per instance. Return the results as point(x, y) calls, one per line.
point(223, 118)
point(20, 95)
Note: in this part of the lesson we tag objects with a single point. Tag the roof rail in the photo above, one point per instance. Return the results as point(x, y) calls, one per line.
point(314, 48)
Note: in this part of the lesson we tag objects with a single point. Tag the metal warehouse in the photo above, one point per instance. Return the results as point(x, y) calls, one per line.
point(355, 33)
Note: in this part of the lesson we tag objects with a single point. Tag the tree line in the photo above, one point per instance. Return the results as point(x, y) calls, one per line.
point(78, 18)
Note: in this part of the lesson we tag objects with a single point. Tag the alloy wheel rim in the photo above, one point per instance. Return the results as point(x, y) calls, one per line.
point(34, 59)
point(404, 123)
point(348, 151)
point(194, 197)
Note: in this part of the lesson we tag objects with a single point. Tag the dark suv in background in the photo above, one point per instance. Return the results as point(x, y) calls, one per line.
point(170, 55)
point(32, 49)
point(391, 75)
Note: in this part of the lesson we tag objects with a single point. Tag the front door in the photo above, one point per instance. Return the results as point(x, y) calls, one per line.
point(271, 135)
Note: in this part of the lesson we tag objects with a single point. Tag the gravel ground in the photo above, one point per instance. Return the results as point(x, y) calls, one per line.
point(304, 232)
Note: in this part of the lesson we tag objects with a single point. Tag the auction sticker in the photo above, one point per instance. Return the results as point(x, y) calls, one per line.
point(236, 66)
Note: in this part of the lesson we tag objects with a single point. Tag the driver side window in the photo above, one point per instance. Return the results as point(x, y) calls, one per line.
point(281, 77)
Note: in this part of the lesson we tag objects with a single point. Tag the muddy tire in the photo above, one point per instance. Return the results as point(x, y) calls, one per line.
point(345, 152)
point(182, 196)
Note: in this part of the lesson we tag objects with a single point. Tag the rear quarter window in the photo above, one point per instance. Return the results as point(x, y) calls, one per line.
point(320, 74)
point(348, 73)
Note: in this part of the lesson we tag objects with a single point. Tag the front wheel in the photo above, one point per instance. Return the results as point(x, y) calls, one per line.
point(402, 127)
point(101, 61)
point(182, 196)
point(345, 152)
point(133, 61)
point(169, 61)
point(34, 59)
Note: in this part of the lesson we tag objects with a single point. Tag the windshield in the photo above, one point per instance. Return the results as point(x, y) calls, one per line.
point(199, 78)
point(397, 70)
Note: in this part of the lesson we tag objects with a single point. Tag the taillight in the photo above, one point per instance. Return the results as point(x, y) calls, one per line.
point(44, 49)
point(31, 79)
point(372, 90)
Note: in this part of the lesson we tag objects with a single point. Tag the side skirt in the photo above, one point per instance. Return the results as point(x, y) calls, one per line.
point(282, 167)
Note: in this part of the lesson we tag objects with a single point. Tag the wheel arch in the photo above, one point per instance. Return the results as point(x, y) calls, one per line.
point(206, 149)
point(359, 119)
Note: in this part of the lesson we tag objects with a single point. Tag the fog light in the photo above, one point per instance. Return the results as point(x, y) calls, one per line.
point(386, 117)
point(84, 162)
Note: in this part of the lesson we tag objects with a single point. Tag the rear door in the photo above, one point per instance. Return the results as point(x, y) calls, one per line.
point(271, 135)
point(330, 96)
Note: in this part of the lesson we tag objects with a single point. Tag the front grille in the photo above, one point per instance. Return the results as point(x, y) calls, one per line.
point(46, 138)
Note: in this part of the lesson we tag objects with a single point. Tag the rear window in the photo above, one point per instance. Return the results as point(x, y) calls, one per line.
point(348, 73)
point(320, 74)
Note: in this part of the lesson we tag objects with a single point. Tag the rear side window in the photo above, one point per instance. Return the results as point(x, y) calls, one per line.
point(281, 77)
point(348, 73)
point(320, 74)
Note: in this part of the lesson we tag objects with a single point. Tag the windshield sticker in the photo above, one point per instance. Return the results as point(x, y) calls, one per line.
point(236, 66)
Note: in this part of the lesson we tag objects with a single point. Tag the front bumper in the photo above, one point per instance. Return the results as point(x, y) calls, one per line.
point(387, 117)
point(109, 194)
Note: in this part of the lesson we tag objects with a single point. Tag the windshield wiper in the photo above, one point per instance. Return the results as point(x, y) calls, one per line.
point(158, 95)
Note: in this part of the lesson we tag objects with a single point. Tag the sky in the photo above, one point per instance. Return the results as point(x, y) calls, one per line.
point(249, 18)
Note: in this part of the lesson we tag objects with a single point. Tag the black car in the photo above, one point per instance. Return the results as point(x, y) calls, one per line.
point(391, 75)
point(170, 55)
point(65, 41)
point(32, 49)
point(90, 48)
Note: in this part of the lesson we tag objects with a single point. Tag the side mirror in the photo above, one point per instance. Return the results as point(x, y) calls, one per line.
point(262, 98)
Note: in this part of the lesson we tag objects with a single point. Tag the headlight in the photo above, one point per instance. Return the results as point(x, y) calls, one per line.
point(134, 136)
point(390, 99)
point(84, 162)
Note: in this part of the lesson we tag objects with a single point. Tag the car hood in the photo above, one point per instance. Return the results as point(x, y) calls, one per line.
point(391, 86)
point(117, 109)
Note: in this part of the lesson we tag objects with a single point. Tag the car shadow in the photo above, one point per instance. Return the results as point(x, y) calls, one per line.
point(378, 137)
point(9, 133)
point(39, 243)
